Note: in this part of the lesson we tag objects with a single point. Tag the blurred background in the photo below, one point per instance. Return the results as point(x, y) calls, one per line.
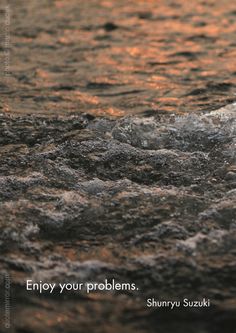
point(108, 57)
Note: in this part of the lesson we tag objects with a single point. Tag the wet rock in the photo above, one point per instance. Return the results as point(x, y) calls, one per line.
point(143, 200)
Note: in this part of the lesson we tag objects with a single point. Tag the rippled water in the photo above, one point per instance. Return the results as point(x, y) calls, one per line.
point(119, 57)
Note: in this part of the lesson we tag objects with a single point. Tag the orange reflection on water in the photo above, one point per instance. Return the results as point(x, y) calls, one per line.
point(120, 57)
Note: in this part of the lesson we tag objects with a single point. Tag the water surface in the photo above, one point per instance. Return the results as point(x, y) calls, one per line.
point(121, 57)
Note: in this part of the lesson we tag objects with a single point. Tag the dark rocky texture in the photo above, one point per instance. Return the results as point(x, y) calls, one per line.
point(145, 200)
point(116, 161)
